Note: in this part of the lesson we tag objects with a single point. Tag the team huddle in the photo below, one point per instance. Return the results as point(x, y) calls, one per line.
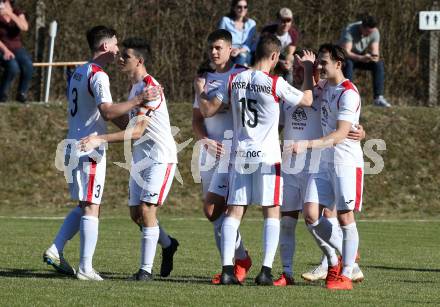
point(238, 114)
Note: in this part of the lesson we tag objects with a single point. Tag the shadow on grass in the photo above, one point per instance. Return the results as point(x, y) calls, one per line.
point(24, 273)
point(382, 267)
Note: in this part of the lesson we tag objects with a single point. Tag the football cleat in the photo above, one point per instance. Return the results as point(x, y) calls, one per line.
point(333, 273)
point(227, 277)
point(317, 273)
point(58, 262)
point(284, 280)
point(241, 268)
point(357, 275)
point(141, 275)
point(167, 258)
point(340, 282)
point(264, 279)
point(92, 275)
point(216, 279)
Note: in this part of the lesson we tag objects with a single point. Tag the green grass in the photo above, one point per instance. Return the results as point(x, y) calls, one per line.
point(399, 260)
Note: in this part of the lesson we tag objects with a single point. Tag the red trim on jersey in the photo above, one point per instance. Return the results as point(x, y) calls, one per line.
point(274, 88)
point(358, 200)
point(148, 80)
point(95, 69)
point(90, 185)
point(276, 199)
point(164, 184)
point(348, 86)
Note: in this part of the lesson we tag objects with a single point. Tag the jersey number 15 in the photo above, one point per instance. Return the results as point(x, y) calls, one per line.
point(248, 104)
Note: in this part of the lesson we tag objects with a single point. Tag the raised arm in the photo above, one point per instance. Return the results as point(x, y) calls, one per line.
point(208, 107)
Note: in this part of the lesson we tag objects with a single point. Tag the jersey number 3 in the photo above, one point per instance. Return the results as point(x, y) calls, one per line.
point(248, 105)
point(75, 102)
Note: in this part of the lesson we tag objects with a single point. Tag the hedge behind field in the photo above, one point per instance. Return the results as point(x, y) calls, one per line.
point(177, 31)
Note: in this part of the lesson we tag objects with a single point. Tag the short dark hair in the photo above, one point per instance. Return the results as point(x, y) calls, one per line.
point(140, 47)
point(220, 34)
point(369, 21)
point(336, 52)
point(267, 44)
point(96, 34)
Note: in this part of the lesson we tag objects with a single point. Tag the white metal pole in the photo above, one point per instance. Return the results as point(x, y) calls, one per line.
point(52, 34)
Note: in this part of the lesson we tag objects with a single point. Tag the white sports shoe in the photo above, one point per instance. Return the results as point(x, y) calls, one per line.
point(357, 275)
point(380, 101)
point(58, 262)
point(92, 275)
point(317, 273)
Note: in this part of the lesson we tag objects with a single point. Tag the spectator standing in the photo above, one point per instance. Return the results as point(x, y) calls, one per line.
point(361, 42)
point(242, 29)
point(13, 56)
point(286, 31)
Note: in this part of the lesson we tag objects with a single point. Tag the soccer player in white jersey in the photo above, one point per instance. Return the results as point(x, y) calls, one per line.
point(340, 179)
point(90, 105)
point(154, 155)
point(299, 123)
point(255, 172)
point(212, 132)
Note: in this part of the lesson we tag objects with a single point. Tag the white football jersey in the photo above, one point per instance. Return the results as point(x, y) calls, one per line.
point(89, 86)
point(302, 123)
point(341, 102)
point(254, 97)
point(222, 121)
point(157, 142)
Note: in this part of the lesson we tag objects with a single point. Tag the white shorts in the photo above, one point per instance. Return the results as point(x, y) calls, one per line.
point(88, 179)
point(262, 187)
point(219, 183)
point(207, 166)
point(338, 184)
point(294, 190)
point(205, 177)
point(152, 184)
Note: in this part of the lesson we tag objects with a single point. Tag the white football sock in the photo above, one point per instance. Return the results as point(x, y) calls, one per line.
point(350, 247)
point(149, 238)
point(164, 239)
point(240, 251)
point(217, 227)
point(88, 237)
point(321, 230)
point(271, 236)
point(228, 239)
point(68, 229)
point(324, 262)
point(337, 232)
point(287, 243)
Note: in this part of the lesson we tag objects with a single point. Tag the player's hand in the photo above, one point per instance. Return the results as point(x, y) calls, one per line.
point(295, 148)
point(358, 134)
point(149, 94)
point(199, 85)
point(90, 142)
point(235, 52)
point(307, 58)
point(8, 55)
point(214, 148)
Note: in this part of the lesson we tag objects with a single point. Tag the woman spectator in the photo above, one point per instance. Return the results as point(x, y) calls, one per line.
point(242, 29)
point(13, 57)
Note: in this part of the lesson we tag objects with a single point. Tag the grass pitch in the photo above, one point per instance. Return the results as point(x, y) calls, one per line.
point(399, 259)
